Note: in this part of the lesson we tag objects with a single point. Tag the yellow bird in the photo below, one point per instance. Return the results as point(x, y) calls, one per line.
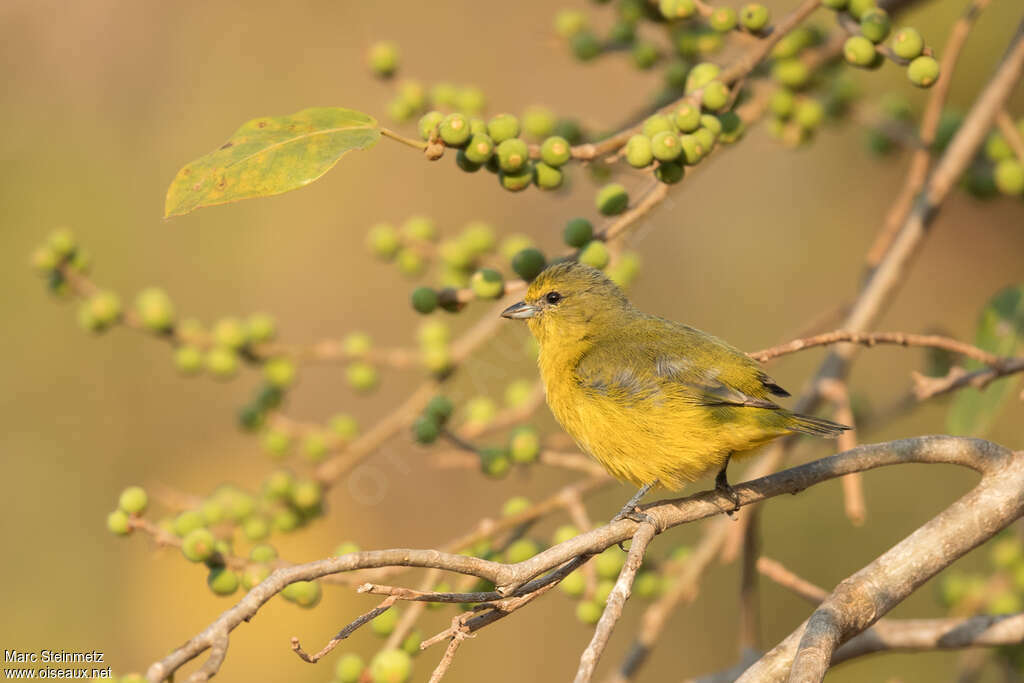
point(655, 401)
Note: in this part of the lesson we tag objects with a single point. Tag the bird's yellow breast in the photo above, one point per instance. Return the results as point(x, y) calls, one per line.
point(646, 436)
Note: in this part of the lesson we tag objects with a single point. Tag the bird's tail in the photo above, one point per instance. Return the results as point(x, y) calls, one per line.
point(814, 426)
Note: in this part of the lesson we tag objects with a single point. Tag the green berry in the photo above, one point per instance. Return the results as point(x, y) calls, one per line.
point(564, 533)
point(539, 122)
point(212, 511)
point(604, 589)
point(835, 4)
point(1006, 552)
point(715, 96)
point(384, 623)
point(875, 25)
point(222, 362)
point(361, 376)
point(303, 593)
point(307, 495)
point(480, 149)
point(609, 563)
point(383, 58)
point(791, 72)
point(424, 300)
point(907, 43)
point(782, 103)
point(923, 71)
point(755, 17)
point(440, 408)
point(528, 263)
point(555, 151)
point(585, 45)
point(425, 430)
point(578, 231)
point(997, 148)
point(675, 74)
point(517, 181)
point(349, 668)
point(647, 585)
point(521, 550)
point(657, 124)
point(256, 528)
point(574, 584)
point(701, 75)
point(197, 546)
point(420, 228)
point(547, 177)
point(589, 612)
point(230, 333)
point(356, 344)
point(513, 506)
point(512, 155)
point(693, 149)
point(155, 309)
point(383, 241)
point(133, 500)
point(186, 521)
point(260, 327)
point(455, 130)
point(524, 445)
point(102, 310)
point(276, 442)
point(722, 19)
point(503, 127)
point(612, 199)
point(569, 22)
point(278, 486)
point(45, 260)
point(62, 242)
point(279, 372)
point(428, 123)
point(285, 520)
point(222, 581)
point(1009, 177)
point(677, 9)
point(391, 666)
point(436, 359)
point(487, 283)
point(518, 392)
point(464, 163)
point(857, 8)
point(665, 147)
point(315, 447)
point(595, 255)
point(687, 117)
point(859, 51)
point(624, 271)
point(471, 101)
point(118, 523)
point(669, 172)
point(809, 113)
point(494, 462)
point(705, 138)
point(254, 575)
point(645, 54)
point(638, 151)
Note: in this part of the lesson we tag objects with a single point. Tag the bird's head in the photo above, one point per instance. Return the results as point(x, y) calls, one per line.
point(570, 301)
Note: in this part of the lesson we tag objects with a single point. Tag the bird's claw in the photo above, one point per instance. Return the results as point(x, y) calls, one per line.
point(726, 490)
point(636, 515)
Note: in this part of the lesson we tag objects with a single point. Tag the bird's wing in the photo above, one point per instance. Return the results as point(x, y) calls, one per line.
point(642, 363)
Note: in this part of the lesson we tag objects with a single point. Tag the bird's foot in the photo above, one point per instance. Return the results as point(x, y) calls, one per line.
point(634, 514)
point(724, 489)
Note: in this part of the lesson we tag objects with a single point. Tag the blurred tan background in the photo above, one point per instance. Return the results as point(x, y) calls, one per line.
point(106, 99)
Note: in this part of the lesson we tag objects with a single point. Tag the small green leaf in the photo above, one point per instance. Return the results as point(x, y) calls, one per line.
point(271, 155)
point(1001, 331)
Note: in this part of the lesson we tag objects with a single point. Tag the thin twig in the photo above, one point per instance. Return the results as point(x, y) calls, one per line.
point(344, 633)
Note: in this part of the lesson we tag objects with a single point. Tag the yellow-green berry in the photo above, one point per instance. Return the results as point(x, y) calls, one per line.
point(254, 575)
point(907, 43)
point(188, 359)
point(809, 113)
point(791, 72)
point(361, 376)
point(755, 17)
point(782, 103)
point(384, 623)
point(383, 58)
point(539, 122)
point(859, 51)
point(133, 500)
point(612, 199)
point(521, 550)
point(569, 22)
point(513, 506)
point(715, 96)
point(222, 581)
point(155, 309)
point(454, 130)
point(657, 124)
point(390, 666)
point(665, 147)
point(609, 563)
point(349, 668)
point(279, 372)
point(875, 25)
point(638, 151)
point(524, 445)
point(687, 117)
point(645, 54)
point(923, 71)
point(512, 155)
point(503, 127)
point(303, 593)
point(62, 242)
point(722, 19)
point(555, 151)
point(595, 255)
point(517, 181)
point(222, 362)
point(383, 241)
point(314, 446)
point(701, 75)
point(677, 9)
point(494, 462)
point(589, 612)
point(197, 545)
point(547, 177)
point(1009, 177)
point(480, 149)
point(857, 8)
point(100, 311)
point(428, 123)
point(260, 327)
point(118, 523)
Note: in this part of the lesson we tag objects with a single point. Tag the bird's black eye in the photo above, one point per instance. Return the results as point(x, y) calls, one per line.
point(552, 297)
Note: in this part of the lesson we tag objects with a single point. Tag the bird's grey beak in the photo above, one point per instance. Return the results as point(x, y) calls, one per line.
point(519, 311)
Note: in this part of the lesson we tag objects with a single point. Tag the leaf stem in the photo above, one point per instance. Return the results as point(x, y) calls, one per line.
point(418, 144)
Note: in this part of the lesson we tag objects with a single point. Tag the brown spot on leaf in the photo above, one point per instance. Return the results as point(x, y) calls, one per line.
point(227, 144)
point(197, 186)
point(261, 124)
point(186, 171)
